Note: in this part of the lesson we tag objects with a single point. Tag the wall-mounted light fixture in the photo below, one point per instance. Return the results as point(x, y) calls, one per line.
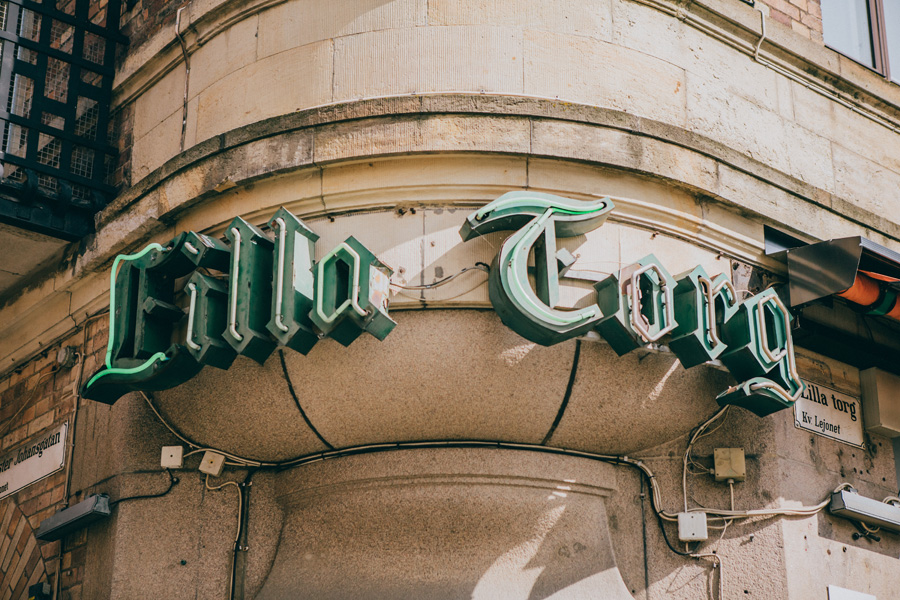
point(847, 503)
point(93, 508)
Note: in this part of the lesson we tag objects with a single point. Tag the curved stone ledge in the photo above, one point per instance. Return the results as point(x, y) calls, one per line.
point(453, 523)
point(559, 146)
point(484, 123)
point(474, 379)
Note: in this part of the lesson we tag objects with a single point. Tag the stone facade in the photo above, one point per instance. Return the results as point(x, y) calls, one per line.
point(392, 121)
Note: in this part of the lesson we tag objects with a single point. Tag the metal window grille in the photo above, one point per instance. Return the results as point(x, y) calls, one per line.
point(56, 72)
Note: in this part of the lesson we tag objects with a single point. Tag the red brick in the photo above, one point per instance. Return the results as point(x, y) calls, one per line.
point(23, 541)
point(57, 494)
point(49, 549)
point(33, 560)
point(30, 492)
point(75, 539)
point(42, 406)
point(14, 522)
point(814, 8)
point(811, 21)
point(20, 585)
point(35, 504)
point(39, 517)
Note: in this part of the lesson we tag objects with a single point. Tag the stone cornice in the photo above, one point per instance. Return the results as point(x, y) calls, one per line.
point(531, 128)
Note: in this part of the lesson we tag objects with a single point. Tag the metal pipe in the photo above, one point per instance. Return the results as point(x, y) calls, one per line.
point(187, 74)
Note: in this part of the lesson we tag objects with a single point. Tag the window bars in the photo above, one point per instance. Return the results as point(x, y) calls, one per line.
point(56, 153)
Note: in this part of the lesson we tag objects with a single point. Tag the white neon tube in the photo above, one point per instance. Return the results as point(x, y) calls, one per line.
point(636, 304)
point(235, 264)
point(353, 300)
point(279, 281)
point(189, 340)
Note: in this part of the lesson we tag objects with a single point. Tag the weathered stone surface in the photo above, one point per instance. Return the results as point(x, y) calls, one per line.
point(428, 59)
point(434, 133)
point(866, 183)
point(158, 103)
point(588, 19)
point(227, 52)
point(484, 539)
point(590, 71)
point(275, 85)
point(159, 145)
point(300, 22)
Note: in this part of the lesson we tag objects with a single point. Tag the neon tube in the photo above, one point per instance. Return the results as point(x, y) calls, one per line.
point(189, 340)
point(235, 263)
point(353, 300)
point(279, 282)
point(636, 304)
point(527, 296)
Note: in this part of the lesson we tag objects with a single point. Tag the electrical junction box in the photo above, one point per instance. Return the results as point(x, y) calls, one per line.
point(212, 464)
point(881, 402)
point(729, 464)
point(172, 457)
point(692, 527)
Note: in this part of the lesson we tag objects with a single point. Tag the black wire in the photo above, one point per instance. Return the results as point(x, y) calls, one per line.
point(565, 401)
point(662, 527)
point(244, 491)
point(172, 482)
point(287, 379)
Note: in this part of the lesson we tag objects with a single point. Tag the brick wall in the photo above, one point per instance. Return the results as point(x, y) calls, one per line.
point(803, 16)
point(33, 399)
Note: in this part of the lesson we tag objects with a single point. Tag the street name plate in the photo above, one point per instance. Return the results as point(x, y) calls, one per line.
point(830, 413)
point(43, 456)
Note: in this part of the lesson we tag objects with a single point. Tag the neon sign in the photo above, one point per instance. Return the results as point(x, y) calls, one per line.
point(245, 298)
point(639, 304)
point(254, 293)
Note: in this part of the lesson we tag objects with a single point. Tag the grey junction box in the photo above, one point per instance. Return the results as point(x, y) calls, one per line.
point(881, 402)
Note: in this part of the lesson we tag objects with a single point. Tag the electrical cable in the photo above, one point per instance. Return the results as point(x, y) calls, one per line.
point(720, 566)
point(242, 529)
point(662, 528)
point(478, 267)
point(172, 481)
point(566, 396)
point(197, 447)
point(687, 453)
point(656, 501)
point(240, 515)
point(30, 399)
point(290, 385)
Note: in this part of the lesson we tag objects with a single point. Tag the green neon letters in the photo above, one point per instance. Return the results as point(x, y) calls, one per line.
point(351, 294)
point(702, 305)
point(264, 296)
point(539, 219)
point(639, 304)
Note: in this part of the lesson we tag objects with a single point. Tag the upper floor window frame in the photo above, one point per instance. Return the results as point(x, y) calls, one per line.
point(877, 31)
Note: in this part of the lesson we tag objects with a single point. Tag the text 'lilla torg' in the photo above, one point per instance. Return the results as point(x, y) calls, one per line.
point(256, 293)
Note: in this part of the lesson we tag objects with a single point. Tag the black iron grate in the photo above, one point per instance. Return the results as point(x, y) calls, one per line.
point(56, 71)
